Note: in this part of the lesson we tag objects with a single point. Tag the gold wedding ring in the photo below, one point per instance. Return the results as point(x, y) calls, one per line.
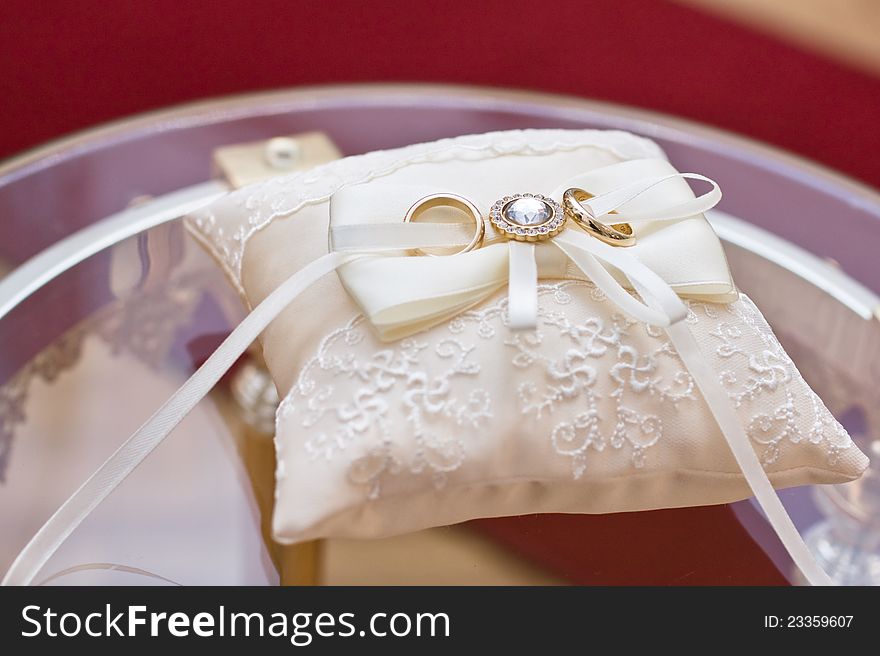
point(616, 234)
point(449, 200)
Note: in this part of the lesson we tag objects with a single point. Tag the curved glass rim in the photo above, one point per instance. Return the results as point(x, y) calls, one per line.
point(31, 275)
point(222, 108)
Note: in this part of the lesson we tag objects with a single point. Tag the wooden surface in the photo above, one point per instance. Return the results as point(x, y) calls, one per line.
point(848, 30)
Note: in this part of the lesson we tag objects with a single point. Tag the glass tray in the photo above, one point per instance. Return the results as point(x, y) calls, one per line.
point(89, 355)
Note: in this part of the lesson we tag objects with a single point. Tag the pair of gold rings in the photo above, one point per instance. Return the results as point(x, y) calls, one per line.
point(528, 217)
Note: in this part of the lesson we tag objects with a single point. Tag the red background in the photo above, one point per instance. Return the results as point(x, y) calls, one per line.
point(69, 65)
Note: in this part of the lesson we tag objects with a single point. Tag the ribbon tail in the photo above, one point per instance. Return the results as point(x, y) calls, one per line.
point(522, 286)
point(613, 200)
point(585, 252)
point(664, 308)
point(137, 447)
point(718, 402)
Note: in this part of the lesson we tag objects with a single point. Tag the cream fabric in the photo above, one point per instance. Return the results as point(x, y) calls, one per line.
point(593, 412)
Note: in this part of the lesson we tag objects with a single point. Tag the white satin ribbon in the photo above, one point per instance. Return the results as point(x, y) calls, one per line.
point(587, 253)
point(741, 447)
point(469, 278)
point(522, 301)
point(401, 295)
point(137, 447)
point(445, 286)
point(611, 201)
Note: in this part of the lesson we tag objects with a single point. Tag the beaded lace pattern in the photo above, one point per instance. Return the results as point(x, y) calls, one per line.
point(589, 380)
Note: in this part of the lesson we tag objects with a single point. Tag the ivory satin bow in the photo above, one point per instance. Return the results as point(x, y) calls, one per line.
point(677, 253)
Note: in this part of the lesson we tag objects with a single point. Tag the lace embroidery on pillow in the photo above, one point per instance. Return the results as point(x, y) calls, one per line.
point(572, 379)
point(420, 406)
point(770, 370)
point(258, 205)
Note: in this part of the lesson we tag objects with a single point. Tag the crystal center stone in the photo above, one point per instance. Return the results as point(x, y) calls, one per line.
point(528, 212)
